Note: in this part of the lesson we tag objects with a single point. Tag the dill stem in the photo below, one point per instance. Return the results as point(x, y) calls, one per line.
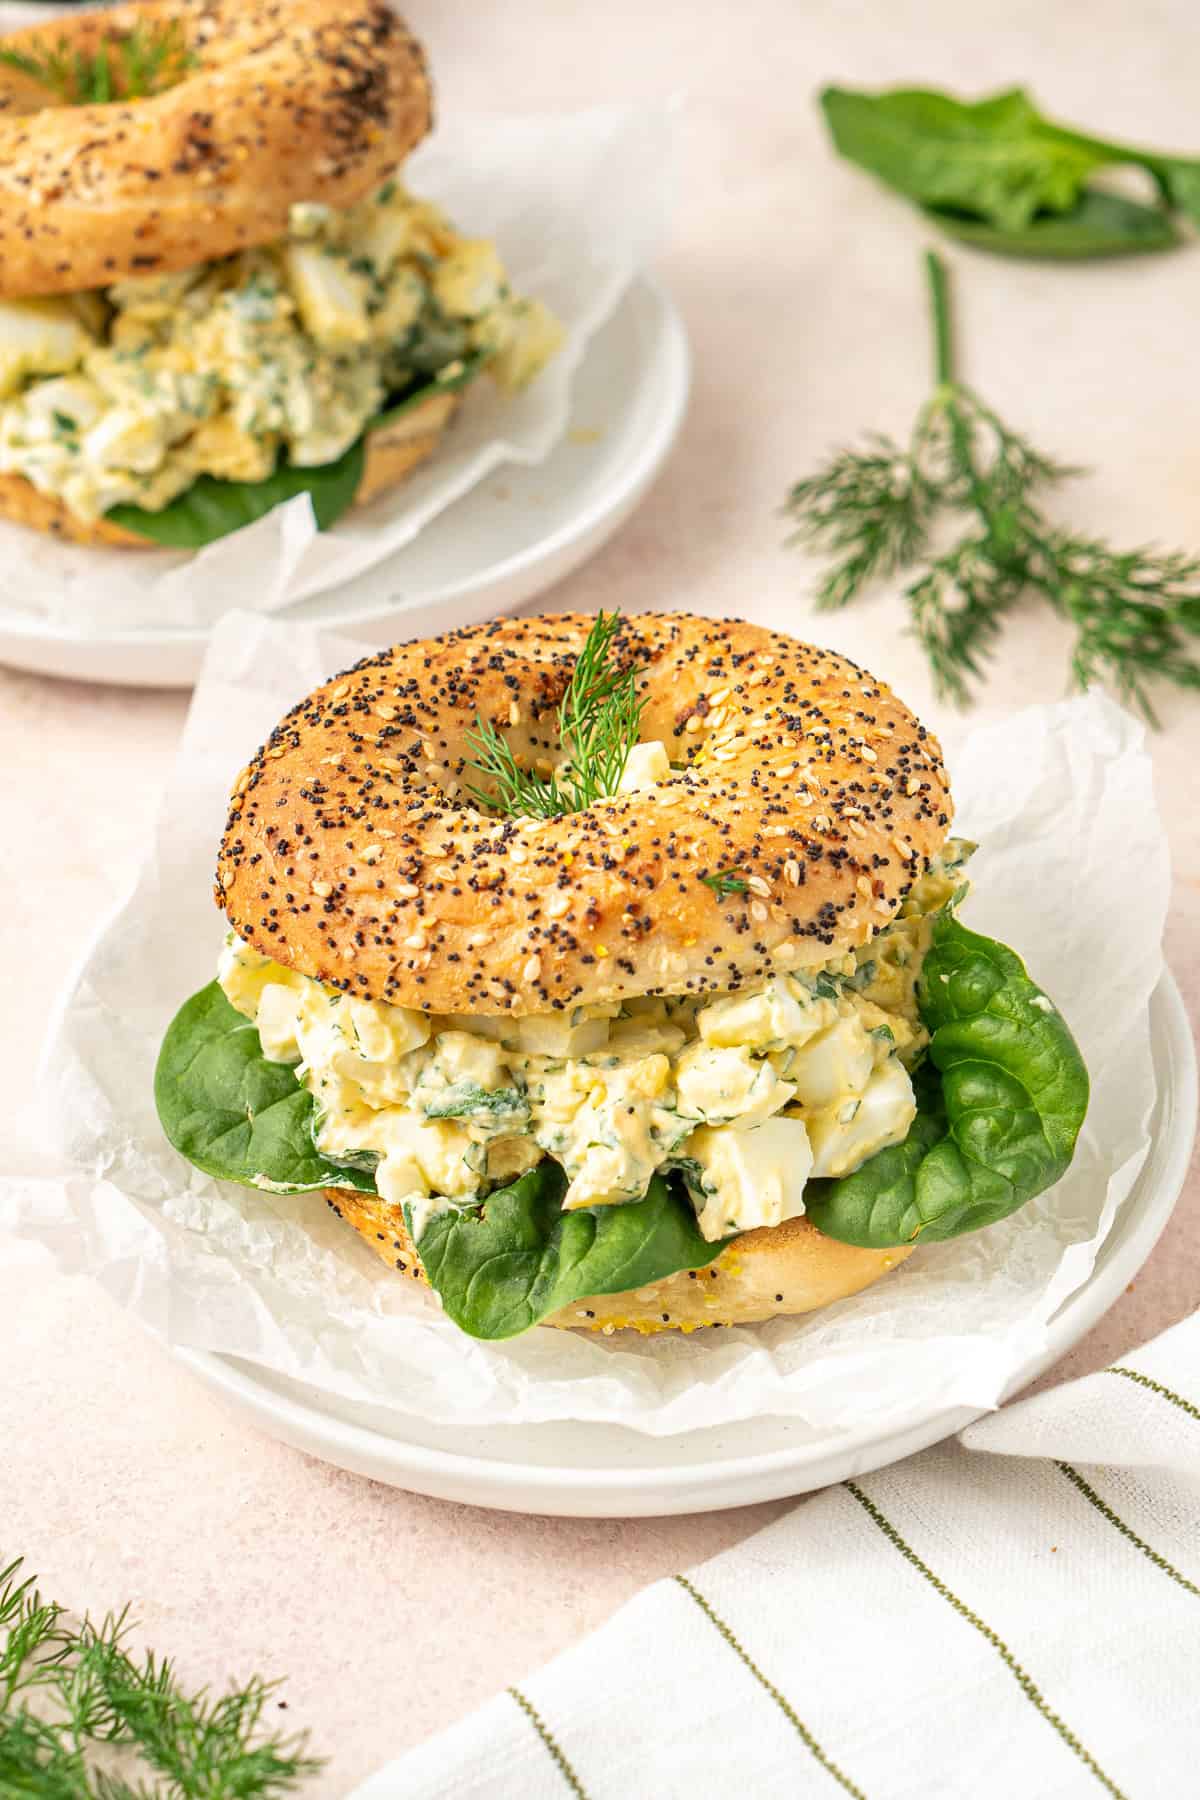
point(939, 297)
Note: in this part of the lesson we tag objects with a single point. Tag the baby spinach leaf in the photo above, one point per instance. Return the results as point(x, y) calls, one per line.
point(211, 509)
point(1178, 178)
point(1000, 1104)
point(518, 1257)
point(233, 1113)
point(987, 157)
point(997, 174)
point(1099, 224)
point(447, 381)
point(466, 1100)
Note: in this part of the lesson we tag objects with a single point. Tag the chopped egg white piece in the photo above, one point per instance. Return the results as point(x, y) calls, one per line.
point(330, 297)
point(836, 1061)
point(751, 1178)
point(277, 1019)
point(465, 1057)
point(721, 1085)
point(843, 1135)
point(646, 765)
point(560, 1034)
point(39, 337)
point(779, 1012)
point(470, 280)
point(386, 1033)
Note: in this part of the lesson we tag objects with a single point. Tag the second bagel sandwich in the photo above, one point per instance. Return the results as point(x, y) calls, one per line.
point(215, 291)
point(609, 974)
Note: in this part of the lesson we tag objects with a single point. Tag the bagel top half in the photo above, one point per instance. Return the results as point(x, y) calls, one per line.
point(281, 101)
point(803, 801)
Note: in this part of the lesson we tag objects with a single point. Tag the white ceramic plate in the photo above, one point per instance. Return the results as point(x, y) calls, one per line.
point(608, 1471)
point(509, 538)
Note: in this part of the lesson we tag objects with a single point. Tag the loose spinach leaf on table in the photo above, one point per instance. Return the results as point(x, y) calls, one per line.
point(998, 174)
point(1000, 1104)
point(233, 1113)
point(986, 156)
point(504, 1265)
point(1098, 225)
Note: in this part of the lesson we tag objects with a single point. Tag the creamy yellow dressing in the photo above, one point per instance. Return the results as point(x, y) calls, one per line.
point(129, 395)
point(748, 1094)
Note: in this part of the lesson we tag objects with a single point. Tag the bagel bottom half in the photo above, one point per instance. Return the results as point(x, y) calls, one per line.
point(765, 1274)
point(393, 452)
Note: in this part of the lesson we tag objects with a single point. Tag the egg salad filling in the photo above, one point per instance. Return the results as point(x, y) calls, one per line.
point(747, 1094)
point(128, 395)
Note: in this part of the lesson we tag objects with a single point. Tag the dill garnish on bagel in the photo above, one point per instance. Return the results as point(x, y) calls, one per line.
point(608, 974)
point(215, 291)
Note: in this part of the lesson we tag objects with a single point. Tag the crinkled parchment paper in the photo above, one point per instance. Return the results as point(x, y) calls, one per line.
point(1060, 799)
point(577, 203)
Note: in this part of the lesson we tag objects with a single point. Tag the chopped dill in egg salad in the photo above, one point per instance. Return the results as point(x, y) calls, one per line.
point(283, 355)
point(747, 1095)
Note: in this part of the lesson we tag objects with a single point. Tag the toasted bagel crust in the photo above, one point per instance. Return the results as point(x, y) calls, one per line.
point(392, 453)
point(807, 801)
point(285, 102)
point(23, 504)
point(790, 1268)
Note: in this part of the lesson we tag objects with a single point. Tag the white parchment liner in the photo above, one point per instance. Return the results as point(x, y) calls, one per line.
point(577, 203)
point(1072, 871)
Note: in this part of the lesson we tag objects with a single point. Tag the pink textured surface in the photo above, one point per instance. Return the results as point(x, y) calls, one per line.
point(120, 1478)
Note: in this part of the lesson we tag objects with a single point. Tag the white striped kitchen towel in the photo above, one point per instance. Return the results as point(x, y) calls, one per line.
point(1015, 1624)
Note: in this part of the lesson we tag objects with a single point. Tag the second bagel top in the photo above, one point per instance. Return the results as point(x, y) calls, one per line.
point(278, 103)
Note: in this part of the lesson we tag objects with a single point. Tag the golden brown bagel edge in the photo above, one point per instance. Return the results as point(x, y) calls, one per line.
point(773, 1273)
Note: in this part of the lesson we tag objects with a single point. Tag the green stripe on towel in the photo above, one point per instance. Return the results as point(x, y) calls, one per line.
point(550, 1741)
point(784, 1706)
point(1023, 1679)
point(1090, 1494)
point(1155, 1387)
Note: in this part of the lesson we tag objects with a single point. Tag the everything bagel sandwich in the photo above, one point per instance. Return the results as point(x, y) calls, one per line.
point(215, 291)
point(608, 974)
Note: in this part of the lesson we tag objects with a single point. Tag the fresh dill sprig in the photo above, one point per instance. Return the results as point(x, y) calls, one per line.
point(514, 790)
point(874, 504)
point(600, 717)
point(1136, 613)
point(78, 1711)
point(599, 720)
point(133, 65)
point(724, 882)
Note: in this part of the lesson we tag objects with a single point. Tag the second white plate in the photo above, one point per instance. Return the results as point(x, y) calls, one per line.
point(606, 1471)
point(506, 540)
